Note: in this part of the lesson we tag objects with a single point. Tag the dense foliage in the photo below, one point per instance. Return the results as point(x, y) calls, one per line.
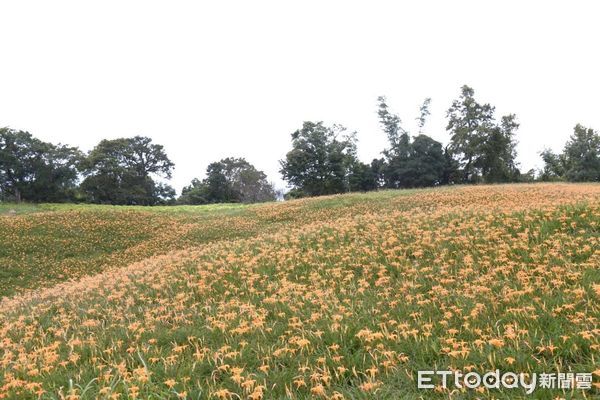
point(120, 171)
point(410, 161)
point(484, 148)
point(231, 180)
point(579, 161)
point(481, 149)
point(37, 171)
point(321, 161)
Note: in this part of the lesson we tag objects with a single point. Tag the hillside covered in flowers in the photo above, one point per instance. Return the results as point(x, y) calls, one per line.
point(338, 297)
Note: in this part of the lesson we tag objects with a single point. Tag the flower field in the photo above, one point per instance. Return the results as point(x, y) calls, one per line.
point(341, 297)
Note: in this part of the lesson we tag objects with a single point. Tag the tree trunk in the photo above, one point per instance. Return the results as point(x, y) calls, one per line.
point(17, 195)
point(467, 170)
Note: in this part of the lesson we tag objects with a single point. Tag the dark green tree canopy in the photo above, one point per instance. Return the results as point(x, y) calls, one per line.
point(579, 161)
point(122, 171)
point(425, 164)
point(555, 166)
point(364, 177)
point(497, 152)
point(321, 159)
point(230, 180)
point(484, 148)
point(36, 171)
point(409, 162)
point(137, 154)
point(582, 152)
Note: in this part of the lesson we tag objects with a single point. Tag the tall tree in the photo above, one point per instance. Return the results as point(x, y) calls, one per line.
point(122, 171)
point(484, 148)
point(195, 193)
point(425, 166)
point(583, 155)
point(399, 139)
point(468, 123)
point(37, 171)
point(147, 158)
point(498, 152)
point(230, 180)
point(580, 159)
point(555, 166)
point(451, 172)
point(321, 159)
point(378, 167)
point(249, 182)
point(363, 177)
point(410, 162)
point(423, 114)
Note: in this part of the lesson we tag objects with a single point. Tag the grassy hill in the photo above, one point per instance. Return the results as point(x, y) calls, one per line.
point(337, 297)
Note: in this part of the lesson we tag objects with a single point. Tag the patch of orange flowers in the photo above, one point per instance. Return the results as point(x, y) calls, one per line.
point(350, 303)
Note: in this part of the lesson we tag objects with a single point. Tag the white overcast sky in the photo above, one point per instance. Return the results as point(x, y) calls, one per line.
point(235, 78)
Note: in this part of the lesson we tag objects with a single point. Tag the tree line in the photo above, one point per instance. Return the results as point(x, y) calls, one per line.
point(481, 149)
point(118, 171)
point(323, 160)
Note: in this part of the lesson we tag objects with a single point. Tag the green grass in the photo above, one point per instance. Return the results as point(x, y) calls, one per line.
point(26, 208)
point(18, 209)
point(348, 294)
point(44, 244)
